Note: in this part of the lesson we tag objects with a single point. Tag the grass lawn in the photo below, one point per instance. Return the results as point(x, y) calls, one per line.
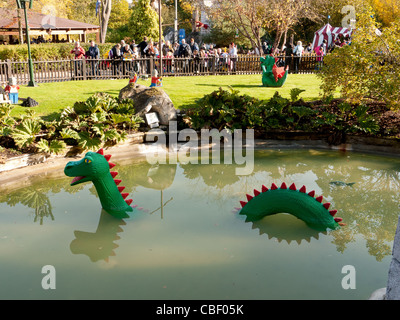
point(54, 97)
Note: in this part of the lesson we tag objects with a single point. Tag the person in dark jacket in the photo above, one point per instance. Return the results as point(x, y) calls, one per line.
point(193, 45)
point(142, 45)
point(93, 54)
point(117, 57)
point(288, 54)
point(184, 52)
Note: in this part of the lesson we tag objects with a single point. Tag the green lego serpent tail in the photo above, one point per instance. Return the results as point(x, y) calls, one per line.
point(299, 203)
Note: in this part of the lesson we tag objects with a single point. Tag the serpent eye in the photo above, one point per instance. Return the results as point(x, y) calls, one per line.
point(88, 161)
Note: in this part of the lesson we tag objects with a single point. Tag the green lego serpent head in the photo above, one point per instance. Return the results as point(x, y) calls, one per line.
point(95, 167)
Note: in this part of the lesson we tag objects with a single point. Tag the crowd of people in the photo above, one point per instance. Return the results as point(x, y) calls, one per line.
point(124, 58)
point(294, 52)
point(198, 55)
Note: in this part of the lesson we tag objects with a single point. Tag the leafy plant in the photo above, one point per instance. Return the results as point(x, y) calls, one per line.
point(87, 142)
point(228, 109)
point(6, 121)
point(55, 146)
point(25, 133)
point(99, 120)
point(295, 93)
point(302, 111)
point(369, 67)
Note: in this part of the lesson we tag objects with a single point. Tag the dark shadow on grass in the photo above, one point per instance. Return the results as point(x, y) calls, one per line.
point(230, 85)
point(52, 116)
point(110, 92)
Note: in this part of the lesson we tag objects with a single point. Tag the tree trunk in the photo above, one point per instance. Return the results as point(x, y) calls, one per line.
point(284, 39)
point(20, 31)
point(195, 17)
point(277, 38)
point(105, 16)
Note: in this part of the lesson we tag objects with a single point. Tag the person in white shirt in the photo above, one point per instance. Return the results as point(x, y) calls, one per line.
point(233, 56)
point(297, 52)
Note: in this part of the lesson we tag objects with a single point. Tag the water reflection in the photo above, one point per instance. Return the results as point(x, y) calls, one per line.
point(370, 207)
point(99, 245)
point(34, 197)
point(151, 176)
point(286, 227)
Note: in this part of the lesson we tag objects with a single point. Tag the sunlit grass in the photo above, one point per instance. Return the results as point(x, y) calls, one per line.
point(54, 97)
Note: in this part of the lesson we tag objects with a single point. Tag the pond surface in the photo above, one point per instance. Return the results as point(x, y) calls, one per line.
point(188, 241)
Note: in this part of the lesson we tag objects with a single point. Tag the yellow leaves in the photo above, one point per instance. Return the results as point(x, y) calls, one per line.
point(186, 6)
point(52, 7)
point(386, 10)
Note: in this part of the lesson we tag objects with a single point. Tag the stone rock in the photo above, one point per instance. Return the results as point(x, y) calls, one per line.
point(379, 294)
point(393, 285)
point(144, 97)
point(29, 102)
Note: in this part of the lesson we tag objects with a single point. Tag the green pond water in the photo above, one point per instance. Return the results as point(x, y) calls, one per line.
point(189, 242)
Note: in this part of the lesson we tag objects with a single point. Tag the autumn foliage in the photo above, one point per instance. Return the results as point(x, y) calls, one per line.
point(367, 69)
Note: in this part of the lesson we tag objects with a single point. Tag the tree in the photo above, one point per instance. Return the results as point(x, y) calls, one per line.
point(387, 11)
point(369, 67)
point(118, 27)
point(185, 13)
point(253, 17)
point(247, 16)
point(284, 15)
point(52, 7)
point(105, 12)
point(120, 14)
point(9, 4)
point(223, 33)
point(143, 21)
point(83, 11)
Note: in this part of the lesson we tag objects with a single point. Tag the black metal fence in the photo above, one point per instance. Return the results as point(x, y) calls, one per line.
point(88, 69)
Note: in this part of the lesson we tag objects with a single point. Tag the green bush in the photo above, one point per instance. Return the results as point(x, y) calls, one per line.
point(367, 69)
point(46, 51)
point(229, 110)
point(100, 120)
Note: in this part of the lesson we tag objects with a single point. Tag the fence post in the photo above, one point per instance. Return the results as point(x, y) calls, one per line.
point(151, 65)
point(213, 65)
point(84, 68)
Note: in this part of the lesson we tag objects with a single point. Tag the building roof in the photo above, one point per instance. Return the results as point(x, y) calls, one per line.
point(39, 21)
